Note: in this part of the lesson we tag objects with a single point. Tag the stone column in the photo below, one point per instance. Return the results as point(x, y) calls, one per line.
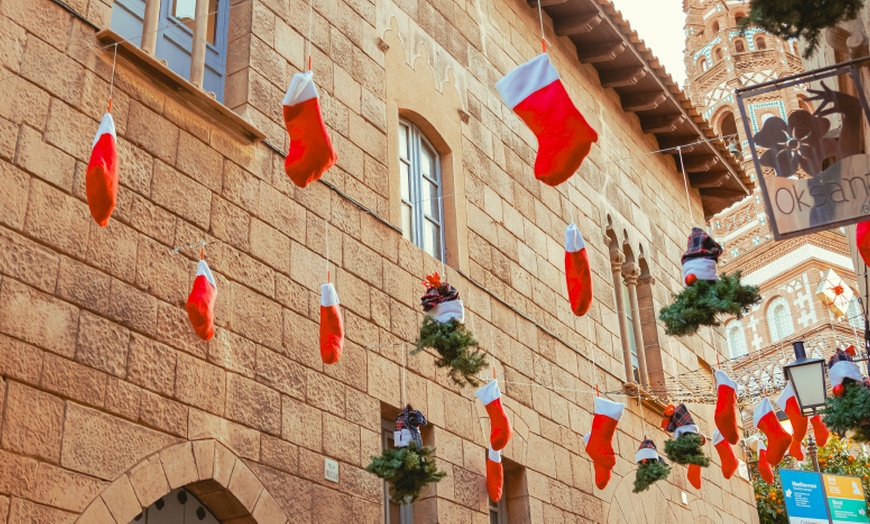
point(617, 259)
point(630, 273)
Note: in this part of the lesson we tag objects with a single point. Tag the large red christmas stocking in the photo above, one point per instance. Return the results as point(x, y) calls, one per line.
point(726, 455)
point(862, 239)
point(494, 475)
point(788, 402)
point(331, 325)
point(500, 426)
point(200, 302)
point(311, 152)
point(778, 439)
point(820, 430)
point(726, 407)
point(536, 94)
point(101, 179)
point(600, 438)
point(577, 271)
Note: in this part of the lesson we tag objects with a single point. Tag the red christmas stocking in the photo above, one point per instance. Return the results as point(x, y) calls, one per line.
point(788, 402)
point(862, 239)
point(536, 94)
point(694, 475)
point(820, 430)
point(331, 325)
point(726, 407)
point(101, 179)
point(602, 476)
point(500, 432)
point(600, 443)
point(494, 475)
point(726, 455)
point(311, 152)
point(778, 439)
point(577, 271)
point(764, 468)
point(200, 302)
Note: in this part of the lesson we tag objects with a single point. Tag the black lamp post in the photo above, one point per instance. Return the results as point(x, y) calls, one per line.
point(807, 376)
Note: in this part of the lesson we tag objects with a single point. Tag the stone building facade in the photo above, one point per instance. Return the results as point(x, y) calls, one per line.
point(113, 411)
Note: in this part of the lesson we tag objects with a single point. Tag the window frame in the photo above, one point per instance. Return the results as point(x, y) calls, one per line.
point(411, 159)
point(775, 322)
point(736, 325)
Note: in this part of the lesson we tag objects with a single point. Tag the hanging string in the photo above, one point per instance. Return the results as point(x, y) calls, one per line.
point(112, 80)
point(404, 364)
point(326, 221)
point(541, 19)
point(642, 417)
point(686, 183)
point(310, 30)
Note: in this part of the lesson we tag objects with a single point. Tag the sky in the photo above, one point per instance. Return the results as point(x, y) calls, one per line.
point(660, 24)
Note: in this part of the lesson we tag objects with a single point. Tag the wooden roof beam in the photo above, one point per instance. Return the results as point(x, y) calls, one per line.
point(575, 25)
point(600, 52)
point(643, 101)
point(697, 163)
point(661, 124)
point(708, 180)
point(625, 77)
point(731, 195)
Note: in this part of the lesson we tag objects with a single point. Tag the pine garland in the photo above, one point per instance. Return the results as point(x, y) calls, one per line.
point(687, 449)
point(789, 19)
point(850, 412)
point(407, 471)
point(456, 348)
point(649, 472)
point(698, 304)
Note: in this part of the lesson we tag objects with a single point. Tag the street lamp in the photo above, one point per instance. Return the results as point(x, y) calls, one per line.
point(807, 376)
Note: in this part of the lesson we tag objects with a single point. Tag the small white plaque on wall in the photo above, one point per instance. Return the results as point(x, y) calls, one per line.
point(330, 470)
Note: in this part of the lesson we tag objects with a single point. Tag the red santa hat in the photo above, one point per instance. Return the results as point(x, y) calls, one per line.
point(701, 256)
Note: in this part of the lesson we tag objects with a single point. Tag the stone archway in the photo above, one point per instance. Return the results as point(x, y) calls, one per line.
point(205, 468)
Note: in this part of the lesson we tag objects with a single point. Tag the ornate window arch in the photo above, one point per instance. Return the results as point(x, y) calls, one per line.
point(760, 42)
point(717, 54)
point(779, 321)
point(739, 46)
point(702, 64)
point(736, 339)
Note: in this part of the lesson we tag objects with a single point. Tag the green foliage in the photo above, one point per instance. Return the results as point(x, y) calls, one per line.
point(838, 457)
point(698, 304)
point(799, 18)
point(850, 412)
point(456, 348)
point(687, 449)
point(648, 472)
point(407, 471)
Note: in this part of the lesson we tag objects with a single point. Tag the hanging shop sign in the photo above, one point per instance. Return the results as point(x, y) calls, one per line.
point(845, 499)
point(810, 163)
point(804, 497)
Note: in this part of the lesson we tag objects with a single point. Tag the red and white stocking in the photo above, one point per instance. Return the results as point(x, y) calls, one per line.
point(600, 438)
point(577, 271)
point(788, 402)
point(862, 240)
point(331, 325)
point(778, 439)
point(500, 426)
point(820, 430)
point(494, 475)
point(694, 475)
point(311, 152)
point(200, 302)
point(726, 407)
point(536, 94)
point(101, 179)
point(726, 455)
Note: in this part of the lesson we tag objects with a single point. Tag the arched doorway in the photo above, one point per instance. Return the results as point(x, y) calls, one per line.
point(177, 507)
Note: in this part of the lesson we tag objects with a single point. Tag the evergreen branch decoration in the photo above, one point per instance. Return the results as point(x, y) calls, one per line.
point(687, 449)
point(789, 19)
point(699, 304)
point(407, 470)
point(456, 348)
point(849, 412)
point(648, 472)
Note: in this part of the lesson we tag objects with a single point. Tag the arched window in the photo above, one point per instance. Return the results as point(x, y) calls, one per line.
point(779, 322)
point(760, 43)
point(855, 314)
point(702, 64)
point(739, 18)
point(736, 339)
point(715, 27)
point(739, 46)
point(717, 54)
point(805, 104)
point(421, 190)
point(728, 132)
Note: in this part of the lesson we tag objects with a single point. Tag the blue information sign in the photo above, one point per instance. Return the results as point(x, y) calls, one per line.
point(804, 497)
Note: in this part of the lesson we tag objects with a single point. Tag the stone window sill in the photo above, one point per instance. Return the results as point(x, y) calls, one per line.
point(182, 89)
point(650, 401)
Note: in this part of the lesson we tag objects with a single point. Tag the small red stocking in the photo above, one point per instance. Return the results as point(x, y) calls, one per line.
point(536, 94)
point(311, 152)
point(494, 475)
point(600, 438)
point(200, 302)
point(500, 426)
point(602, 476)
point(331, 325)
point(788, 402)
point(577, 271)
point(726, 455)
point(862, 239)
point(764, 468)
point(820, 430)
point(726, 407)
point(694, 475)
point(101, 178)
point(778, 439)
